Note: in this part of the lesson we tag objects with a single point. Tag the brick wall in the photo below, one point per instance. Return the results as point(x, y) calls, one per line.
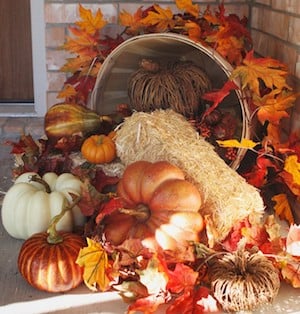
point(274, 24)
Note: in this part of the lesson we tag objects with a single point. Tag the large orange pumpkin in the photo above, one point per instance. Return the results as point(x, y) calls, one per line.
point(162, 208)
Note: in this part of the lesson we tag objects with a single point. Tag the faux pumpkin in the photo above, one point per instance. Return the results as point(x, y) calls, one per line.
point(98, 149)
point(65, 120)
point(32, 201)
point(162, 208)
point(51, 266)
point(47, 260)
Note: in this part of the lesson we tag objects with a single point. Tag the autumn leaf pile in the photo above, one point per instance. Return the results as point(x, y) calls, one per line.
point(143, 278)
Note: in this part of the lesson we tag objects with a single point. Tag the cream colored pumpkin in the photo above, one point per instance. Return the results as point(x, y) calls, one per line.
point(27, 208)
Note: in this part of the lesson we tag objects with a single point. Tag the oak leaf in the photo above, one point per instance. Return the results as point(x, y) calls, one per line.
point(90, 23)
point(272, 72)
point(188, 7)
point(94, 259)
point(161, 18)
point(282, 208)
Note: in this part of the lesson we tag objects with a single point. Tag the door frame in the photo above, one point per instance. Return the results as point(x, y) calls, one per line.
point(37, 108)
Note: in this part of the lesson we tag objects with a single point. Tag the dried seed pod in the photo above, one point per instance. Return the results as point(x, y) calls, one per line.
point(243, 280)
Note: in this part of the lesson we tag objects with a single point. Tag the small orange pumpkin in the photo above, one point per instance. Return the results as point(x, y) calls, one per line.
point(162, 207)
point(98, 149)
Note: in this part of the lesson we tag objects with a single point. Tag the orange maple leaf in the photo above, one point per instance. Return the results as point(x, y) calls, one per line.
point(132, 22)
point(194, 30)
point(272, 106)
point(188, 7)
point(291, 272)
point(291, 174)
point(90, 23)
point(282, 208)
point(230, 48)
point(161, 18)
point(68, 91)
point(272, 72)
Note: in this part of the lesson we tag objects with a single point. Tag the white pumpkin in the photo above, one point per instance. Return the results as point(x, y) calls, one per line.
point(28, 208)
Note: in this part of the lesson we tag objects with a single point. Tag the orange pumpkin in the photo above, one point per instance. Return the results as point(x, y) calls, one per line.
point(98, 149)
point(162, 208)
point(51, 267)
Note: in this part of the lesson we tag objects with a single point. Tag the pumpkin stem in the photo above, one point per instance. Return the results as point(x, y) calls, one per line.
point(35, 178)
point(141, 212)
point(53, 236)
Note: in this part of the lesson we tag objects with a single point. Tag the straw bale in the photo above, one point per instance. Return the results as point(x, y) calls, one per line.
point(167, 135)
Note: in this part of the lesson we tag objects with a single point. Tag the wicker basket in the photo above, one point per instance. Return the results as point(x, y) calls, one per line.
point(111, 85)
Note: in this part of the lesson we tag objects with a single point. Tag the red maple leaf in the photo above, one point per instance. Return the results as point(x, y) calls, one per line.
point(182, 278)
point(217, 96)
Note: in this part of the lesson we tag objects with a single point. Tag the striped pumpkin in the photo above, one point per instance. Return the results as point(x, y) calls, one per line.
point(51, 267)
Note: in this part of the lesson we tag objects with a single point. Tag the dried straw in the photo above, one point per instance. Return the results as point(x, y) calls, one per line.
point(167, 135)
point(178, 85)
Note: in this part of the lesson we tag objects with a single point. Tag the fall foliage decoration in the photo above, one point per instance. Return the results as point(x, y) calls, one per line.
point(232, 202)
point(178, 85)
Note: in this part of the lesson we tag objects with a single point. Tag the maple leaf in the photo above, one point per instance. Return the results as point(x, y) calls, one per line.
point(130, 291)
point(194, 30)
point(293, 240)
point(67, 92)
point(197, 301)
point(273, 106)
point(217, 96)
point(133, 22)
point(291, 272)
point(90, 23)
point(272, 72)
point(230, 48)
point(291, 173)
point(244, 143)
point(94, 259)
point(182, 278)
point(91, 198)
point(282, 208)
point(154, 276)
point(161, 18)
point(188, 7)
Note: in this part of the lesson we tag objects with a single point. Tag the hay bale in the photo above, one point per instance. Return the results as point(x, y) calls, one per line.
point(167, 135)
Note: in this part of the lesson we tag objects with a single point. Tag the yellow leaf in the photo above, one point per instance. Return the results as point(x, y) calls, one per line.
point(188, 7)
point(292, 166)
point(282, 208)
point(244, 143)
point(271, 71)
point(95, 262)
point(161, 18)
point(89, 22)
